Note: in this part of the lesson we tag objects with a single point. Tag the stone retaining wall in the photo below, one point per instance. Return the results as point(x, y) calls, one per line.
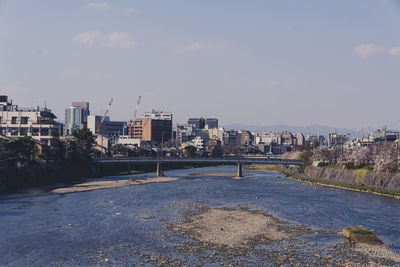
point(383, 181)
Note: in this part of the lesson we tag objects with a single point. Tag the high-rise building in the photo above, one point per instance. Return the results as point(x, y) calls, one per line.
point(157, 131)
point(199, 123)
point(158, 115)
point(76, 117)
point(212, 123)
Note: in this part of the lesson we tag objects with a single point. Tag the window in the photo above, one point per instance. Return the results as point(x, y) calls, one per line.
point(14, 120)
point(14, 131)
point(24, 120)
point(44, 132)
point(55, 132)
point(35, 131)
point(23, 131)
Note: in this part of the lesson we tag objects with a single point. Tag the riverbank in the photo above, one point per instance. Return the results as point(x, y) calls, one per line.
point(68, 172)
point(98, 185)
point(15, 179)
point(335, 179)
point(220, 234)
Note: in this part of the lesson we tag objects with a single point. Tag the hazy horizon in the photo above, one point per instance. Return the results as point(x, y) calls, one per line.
point(259, 63)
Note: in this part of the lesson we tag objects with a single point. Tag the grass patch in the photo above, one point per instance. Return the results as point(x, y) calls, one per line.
point(361, 235)
point(329, 165)
point(360, 175)
point(261, 167)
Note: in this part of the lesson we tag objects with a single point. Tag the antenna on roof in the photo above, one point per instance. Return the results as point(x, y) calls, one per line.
point(45, 105)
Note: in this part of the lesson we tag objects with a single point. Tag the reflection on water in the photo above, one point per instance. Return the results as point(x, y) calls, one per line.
point(42, 229)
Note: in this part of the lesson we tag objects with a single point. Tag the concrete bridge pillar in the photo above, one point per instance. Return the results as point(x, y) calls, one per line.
point(239, 170)
point(160, 172)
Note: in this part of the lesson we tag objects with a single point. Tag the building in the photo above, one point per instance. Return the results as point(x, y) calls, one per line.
point(109, 129)
point(38, 123)
point(299, 139)
point(157, 131)
point(363, 142)
point(197, 142)
point(286, 139)
point(158, 115)
point(213, 145)
point(247, 137)
point(211, 123)
point(184, 133)
point(266, 138)
point(102, 145)
point(383, 136)
point(232, 138)
point(199, 123)
point(76, 117)
point(216, 134)
point(273, 148)
point(337, 140)
point(126, 140)
point(316, 140)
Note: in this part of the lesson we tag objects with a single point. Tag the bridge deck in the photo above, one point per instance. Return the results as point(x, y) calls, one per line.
point(225, 161)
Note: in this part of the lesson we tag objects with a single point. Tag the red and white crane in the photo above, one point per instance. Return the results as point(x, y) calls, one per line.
point(132, 121)
point(100, 123)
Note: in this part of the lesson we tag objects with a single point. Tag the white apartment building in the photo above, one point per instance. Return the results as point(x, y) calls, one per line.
point(38, 123)
point(158, 115)
point(215, 133)
point(197, 142)
point(129, 141)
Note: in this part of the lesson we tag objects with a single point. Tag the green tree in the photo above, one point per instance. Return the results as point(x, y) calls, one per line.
point(189, 151)
point(217, 152)
point(84, 140)
point(25, 149)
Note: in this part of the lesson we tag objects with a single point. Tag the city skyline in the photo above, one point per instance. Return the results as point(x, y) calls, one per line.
point(262, 63)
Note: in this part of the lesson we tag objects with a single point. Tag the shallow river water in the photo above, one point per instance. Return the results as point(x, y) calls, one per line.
point(46, 229)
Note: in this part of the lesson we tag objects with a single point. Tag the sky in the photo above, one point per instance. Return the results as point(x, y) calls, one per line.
point(256, 62)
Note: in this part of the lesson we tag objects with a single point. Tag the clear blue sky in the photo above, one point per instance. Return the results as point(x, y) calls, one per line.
point(253, 62)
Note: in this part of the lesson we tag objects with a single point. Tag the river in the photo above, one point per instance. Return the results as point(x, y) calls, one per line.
point(123, 224)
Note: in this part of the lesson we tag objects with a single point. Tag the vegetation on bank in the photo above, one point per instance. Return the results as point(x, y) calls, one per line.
point(361, 235)
point(296, 175)
point(28, 163)
point(382, 158)
point(262, 167)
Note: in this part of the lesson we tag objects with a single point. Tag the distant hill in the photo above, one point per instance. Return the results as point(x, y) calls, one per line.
point(312, 129)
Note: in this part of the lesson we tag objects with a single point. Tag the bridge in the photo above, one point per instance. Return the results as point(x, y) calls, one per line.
point(239, 161)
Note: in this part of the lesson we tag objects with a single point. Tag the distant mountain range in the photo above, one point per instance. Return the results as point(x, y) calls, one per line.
point(312, 129)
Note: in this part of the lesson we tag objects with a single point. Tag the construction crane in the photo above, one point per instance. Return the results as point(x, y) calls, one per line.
point(131, 123)
point(100, 123)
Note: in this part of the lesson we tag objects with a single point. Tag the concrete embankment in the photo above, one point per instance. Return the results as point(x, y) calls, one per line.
point(358, 178)
point(71, 172)
point(15, 179)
